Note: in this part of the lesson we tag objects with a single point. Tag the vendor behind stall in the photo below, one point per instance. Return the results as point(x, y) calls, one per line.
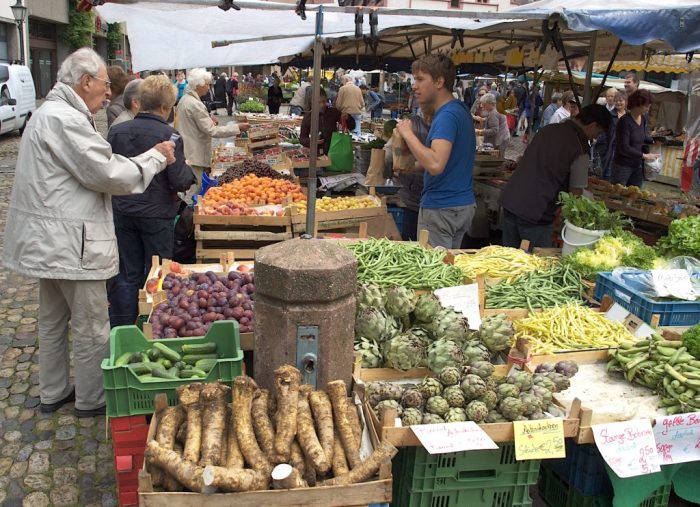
point(328, 120)
point(555, 161)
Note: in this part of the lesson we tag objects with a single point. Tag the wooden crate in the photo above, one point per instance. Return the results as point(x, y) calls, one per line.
point(332, 220)
point(321, 161)
point(401, 436)
point(242, 235)
point(263, 131)
point(355, 495)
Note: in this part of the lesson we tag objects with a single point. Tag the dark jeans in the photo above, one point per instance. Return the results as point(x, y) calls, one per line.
point(138, 240)
point(296, 110)
point(515, 230)
point(274, 108)
point(627, 176)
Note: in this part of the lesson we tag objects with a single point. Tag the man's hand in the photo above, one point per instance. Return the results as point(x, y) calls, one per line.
point(243, 127)
point(215, 120)
point(650, 156)
point(167, 149)
point(405, 127)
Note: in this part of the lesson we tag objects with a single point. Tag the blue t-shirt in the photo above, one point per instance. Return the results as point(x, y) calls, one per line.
point(453, 187)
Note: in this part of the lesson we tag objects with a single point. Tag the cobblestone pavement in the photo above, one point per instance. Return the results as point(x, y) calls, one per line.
point(45, 459)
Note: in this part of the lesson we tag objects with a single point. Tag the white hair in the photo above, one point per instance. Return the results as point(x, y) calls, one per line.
point(489, 98)
point(198, 77)
point(131, 92)
point(79, 63)
point(346, 79)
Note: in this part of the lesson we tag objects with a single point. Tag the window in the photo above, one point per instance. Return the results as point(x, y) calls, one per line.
point(455, 4)
point(42, 30)
point(482, 1)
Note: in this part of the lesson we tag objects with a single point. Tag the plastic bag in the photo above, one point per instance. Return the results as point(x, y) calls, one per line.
point(652, 168)
point(654, 284)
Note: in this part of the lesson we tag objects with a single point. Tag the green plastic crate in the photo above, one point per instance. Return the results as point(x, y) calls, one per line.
point(558, 493)
point(489, 478)
point(126, 395)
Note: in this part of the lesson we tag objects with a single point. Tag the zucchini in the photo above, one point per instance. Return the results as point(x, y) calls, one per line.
point(161, 373)
point(206, 364)
point(140, 368)
point(193, 372)
point(149, 378)
point(123, 360)
point(153, 354)
point(166, 351)
point(136, 358)
point(193, 358)
point(173, 372)
point(180, 365)
point(199, 348)
point(165, 363)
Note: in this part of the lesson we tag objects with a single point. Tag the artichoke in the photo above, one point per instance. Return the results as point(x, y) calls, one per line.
point(390, 391)
point(411, 417)
point(484, 369)
point(375, 324)
point(455, 415)
point(566, 368)
point(561, 382)
point(400, 301)
point(543, 394)
point(511, 408)
point(544, 368)
point(490, 399)
point(536, 416)
point(430, 387)
point(542, 380)
point(437, 405)
point(432, 419)
point(369, 296)
point(370, 355)
point(449, 325)
point(477, 411)
point(473, 387)
point(427, 308)
point(531, 403)
point(507, 391)
point(387, 404)
point(412, 398)
point(454, 396)
point(496, 332)
point(494, 381)
point(449, 376)
point(442, 353)
point(522, 379)
point(474, 351)
point(494, 417)
point(405, 352)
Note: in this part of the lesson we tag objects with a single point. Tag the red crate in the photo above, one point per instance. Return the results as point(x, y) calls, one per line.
point(128, 422)
point(133, 438)
point(128, 442)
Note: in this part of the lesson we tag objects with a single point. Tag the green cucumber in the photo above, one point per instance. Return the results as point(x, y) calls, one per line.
point(173, 371)
point(193, 372)
point(180, 365)
point(153, 354)
point(166, 351)
point(140, 368)
point(161, 373)
point(193, 358)
point(136, 358)
point(206, 364)
point(165, 363)
point(123, 360)
point(199, 348)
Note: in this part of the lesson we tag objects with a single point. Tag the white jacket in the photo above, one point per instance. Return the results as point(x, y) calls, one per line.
point(197, 128)
point(59, 223)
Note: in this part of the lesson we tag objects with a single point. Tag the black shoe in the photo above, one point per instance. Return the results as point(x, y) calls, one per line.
point(47, 408)
point(93, 412)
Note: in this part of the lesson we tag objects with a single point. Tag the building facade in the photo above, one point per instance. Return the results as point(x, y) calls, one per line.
point(464, 5)
point(46, 23)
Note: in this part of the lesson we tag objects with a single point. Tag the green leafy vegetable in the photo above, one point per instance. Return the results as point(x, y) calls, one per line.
point(589, 214)
point(251, 106)
point(683, 238)
point(691, 340)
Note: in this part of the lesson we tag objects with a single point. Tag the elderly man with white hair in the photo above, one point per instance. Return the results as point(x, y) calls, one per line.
point(60, 227)
point(351, 101)
point(131, 102)
point(197, 127)
point(495, 129)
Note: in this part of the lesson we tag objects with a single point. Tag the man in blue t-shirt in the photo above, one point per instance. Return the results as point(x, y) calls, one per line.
point(447, 204)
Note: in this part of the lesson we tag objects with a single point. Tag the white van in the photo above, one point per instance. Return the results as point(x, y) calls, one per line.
point(17, 97)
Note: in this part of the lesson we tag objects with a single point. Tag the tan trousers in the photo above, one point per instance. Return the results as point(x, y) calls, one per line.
point(83, 303)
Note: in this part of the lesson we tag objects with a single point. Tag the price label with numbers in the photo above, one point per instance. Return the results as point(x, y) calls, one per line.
point(628, 447)
point(678, 438)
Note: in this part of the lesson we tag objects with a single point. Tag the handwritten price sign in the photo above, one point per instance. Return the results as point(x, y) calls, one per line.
point(678, 438)
point(453, 437)
point(628, 447)
point(539, 439)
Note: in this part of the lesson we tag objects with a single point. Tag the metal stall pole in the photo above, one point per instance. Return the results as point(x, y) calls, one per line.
point(587, 90)
point(313, 142)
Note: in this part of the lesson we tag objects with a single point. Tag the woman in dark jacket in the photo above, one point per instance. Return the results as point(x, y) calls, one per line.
point(274, 97)
point(144, 222)
point(630, 137)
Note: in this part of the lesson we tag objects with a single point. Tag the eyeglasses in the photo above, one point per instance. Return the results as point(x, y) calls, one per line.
point(107, 82)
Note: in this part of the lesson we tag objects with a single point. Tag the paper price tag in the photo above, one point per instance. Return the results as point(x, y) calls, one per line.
point(540, 439)
point(628, 447)
point(453, 437)
point(673, 283)
point(464, 299)
point(678, 438)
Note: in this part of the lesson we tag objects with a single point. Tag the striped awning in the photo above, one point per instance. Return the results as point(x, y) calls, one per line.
point(656, 63)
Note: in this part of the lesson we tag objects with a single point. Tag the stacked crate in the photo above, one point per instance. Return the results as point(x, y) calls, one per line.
point(128, 442)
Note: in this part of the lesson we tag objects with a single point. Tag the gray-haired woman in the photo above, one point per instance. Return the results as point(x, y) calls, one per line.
point(495, 129)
